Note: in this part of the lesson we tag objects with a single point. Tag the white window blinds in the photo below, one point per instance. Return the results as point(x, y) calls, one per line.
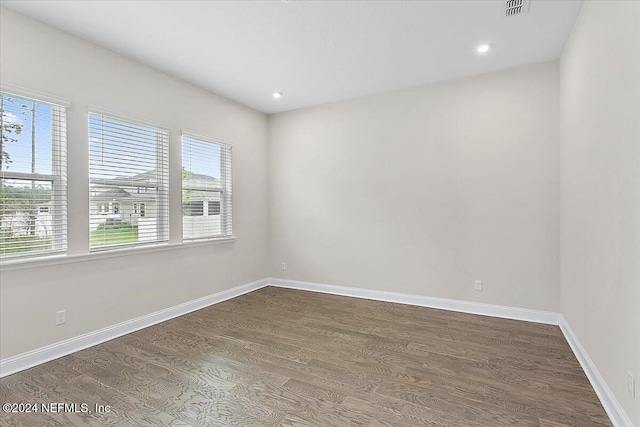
point(128, 176)
point(206, 188)
point(33, 177)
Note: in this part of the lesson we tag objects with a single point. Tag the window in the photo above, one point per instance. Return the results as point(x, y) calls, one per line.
point(33, 177)
point(194, 208)
point(206, 183)
point(128, 170)
point(213, 208)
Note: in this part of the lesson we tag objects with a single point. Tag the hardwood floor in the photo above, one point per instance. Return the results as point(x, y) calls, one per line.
point(279, 357)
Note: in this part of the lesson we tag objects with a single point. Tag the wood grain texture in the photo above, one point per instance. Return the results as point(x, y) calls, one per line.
point(281, 357)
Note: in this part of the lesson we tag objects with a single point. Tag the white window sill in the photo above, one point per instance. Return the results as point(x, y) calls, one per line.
point(113, 253)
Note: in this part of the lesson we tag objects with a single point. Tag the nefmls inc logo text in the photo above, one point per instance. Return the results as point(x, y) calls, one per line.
point(59, 407)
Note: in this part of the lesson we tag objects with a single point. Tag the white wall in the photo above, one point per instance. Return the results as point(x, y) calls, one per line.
point(99, 293)
point(422, 191)
point(600, 164)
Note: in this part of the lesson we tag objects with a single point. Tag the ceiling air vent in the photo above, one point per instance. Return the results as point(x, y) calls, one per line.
point(515, 7)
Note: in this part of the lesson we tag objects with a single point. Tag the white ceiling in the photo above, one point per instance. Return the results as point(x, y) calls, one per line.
point(314, 52)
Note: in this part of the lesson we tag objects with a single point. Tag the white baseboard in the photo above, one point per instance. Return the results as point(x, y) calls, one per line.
point(525, 314)
point(616, 413)
point(44, 354)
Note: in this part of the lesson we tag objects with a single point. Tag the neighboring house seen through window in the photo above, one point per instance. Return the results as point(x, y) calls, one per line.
point(128, 175)
point(33, 177)
point(214, 207)
point(193, 208)
point(206, 188)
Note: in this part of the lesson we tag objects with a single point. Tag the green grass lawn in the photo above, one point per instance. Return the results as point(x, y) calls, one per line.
point(16, 245)
point(114, 236)
point(102, 236)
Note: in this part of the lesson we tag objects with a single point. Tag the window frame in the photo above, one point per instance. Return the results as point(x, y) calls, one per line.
point(59, 180)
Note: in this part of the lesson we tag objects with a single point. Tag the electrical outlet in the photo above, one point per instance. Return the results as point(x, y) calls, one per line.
point(477, 285)
point(61, 317)
point(284, 266)
point(631, 384)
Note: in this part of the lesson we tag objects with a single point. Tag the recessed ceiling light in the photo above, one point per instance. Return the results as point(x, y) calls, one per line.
point(483, 48)
point(277, 95)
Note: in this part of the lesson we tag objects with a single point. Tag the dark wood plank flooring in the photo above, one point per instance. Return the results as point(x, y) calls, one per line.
point(279, 357)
